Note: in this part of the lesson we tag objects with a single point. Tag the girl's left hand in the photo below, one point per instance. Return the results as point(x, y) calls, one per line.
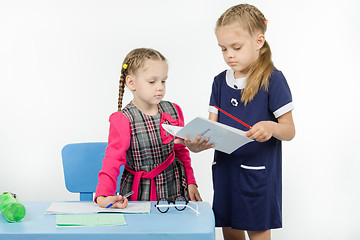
point(261, 131)
point(194, 193)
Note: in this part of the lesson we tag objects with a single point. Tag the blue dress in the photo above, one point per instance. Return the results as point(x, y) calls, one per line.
point(247, 183)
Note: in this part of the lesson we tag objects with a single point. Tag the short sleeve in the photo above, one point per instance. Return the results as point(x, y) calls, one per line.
point(214, 97)
point(280, 99)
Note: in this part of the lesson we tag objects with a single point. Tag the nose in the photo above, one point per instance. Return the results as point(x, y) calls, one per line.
point(160, 86)
point(230, 54)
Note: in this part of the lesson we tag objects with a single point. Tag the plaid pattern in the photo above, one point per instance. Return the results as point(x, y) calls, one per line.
point(147, 152)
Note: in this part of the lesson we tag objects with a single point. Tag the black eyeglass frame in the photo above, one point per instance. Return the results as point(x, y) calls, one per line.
point(179, 207)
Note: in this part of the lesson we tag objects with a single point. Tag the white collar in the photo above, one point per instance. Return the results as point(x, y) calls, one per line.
point(238, 83)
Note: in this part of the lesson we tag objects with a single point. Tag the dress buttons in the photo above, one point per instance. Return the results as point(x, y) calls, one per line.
point(235, 86)
point(234, 102)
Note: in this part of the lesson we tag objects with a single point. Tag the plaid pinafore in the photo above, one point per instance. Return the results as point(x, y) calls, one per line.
point(147, 151)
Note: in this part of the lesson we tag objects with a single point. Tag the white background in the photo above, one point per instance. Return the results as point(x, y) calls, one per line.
point(59, 69)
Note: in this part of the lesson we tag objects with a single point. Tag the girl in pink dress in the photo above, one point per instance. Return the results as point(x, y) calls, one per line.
point(155, 167)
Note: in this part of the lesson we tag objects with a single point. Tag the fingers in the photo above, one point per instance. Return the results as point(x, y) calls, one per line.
point(116, 201)
point(197, 197)
point(187, 141)
point(121, 203)
point(192, 197)
point(257, 134)
point(195, 141)
point(253, 134)
point(205, 141)
point(179, 141)
point(196, 145)
point(194, 193)
point(209, 146)
point(261, 131)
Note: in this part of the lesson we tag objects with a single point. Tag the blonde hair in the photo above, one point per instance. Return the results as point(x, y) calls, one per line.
point(132, 63)
point(253, 21)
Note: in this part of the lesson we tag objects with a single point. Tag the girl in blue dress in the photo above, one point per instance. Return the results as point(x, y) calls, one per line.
point(247, 183)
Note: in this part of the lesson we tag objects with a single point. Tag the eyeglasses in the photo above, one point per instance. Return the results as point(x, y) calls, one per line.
point(180, 204)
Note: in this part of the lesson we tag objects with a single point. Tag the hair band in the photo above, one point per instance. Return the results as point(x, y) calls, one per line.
point(266, 22)
point(125, 66)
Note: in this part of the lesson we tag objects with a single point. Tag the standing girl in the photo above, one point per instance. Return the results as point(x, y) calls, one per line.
point(155, 167)
point(247, 183)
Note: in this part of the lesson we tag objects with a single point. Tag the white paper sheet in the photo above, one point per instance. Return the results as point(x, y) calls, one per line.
point(92, 207)
point(226, 139)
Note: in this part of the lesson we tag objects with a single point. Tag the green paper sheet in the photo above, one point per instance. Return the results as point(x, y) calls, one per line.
point(90, 220)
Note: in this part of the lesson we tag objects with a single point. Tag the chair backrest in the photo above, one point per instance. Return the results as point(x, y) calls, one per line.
point(82, 163)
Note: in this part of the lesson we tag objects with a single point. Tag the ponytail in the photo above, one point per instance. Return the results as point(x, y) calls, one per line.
point(260, 73)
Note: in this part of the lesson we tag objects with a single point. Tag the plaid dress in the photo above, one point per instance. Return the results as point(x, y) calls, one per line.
point(147, 151)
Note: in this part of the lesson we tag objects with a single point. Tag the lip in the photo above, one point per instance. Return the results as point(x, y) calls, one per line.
point(159, 96)
point(232, 63)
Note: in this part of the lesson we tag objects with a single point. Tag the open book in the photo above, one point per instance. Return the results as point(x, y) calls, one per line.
point(83, 207)
point(226, 139)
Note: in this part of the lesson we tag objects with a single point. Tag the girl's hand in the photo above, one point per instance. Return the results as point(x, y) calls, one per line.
point(261, 131)
point(194, 193)
point(196, 145)
point(284, 129)
point(118, 201)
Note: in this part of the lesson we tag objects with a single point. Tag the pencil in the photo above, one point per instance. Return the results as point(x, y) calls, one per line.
point(126, 195)
point(236, 119)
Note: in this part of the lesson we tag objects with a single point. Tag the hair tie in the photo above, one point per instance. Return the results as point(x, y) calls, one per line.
point(125, 66)
point(266, 22)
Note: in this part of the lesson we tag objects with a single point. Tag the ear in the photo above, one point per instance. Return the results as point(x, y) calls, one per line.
point(130, 83)
point(260, 40)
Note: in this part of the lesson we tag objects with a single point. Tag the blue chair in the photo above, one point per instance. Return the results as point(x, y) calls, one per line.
point(82, 163)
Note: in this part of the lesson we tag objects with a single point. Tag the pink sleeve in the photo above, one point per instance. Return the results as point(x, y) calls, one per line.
point(182, 153)
point(115, 155)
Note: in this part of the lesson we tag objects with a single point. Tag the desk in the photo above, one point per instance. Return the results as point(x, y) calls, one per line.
point(171, 225)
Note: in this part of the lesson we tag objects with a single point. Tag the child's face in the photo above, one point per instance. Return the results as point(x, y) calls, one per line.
point(148, 84)
point(239, 48)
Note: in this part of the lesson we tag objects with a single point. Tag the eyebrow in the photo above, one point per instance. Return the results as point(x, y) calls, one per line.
point(152, 77)
point(234, 44)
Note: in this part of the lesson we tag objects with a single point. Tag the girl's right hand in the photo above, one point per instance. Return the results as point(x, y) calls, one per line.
point(118, 201)
point(196, 145)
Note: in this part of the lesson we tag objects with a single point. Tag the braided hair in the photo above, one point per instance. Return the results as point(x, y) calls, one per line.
point(132, 63)
point(252, 20)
